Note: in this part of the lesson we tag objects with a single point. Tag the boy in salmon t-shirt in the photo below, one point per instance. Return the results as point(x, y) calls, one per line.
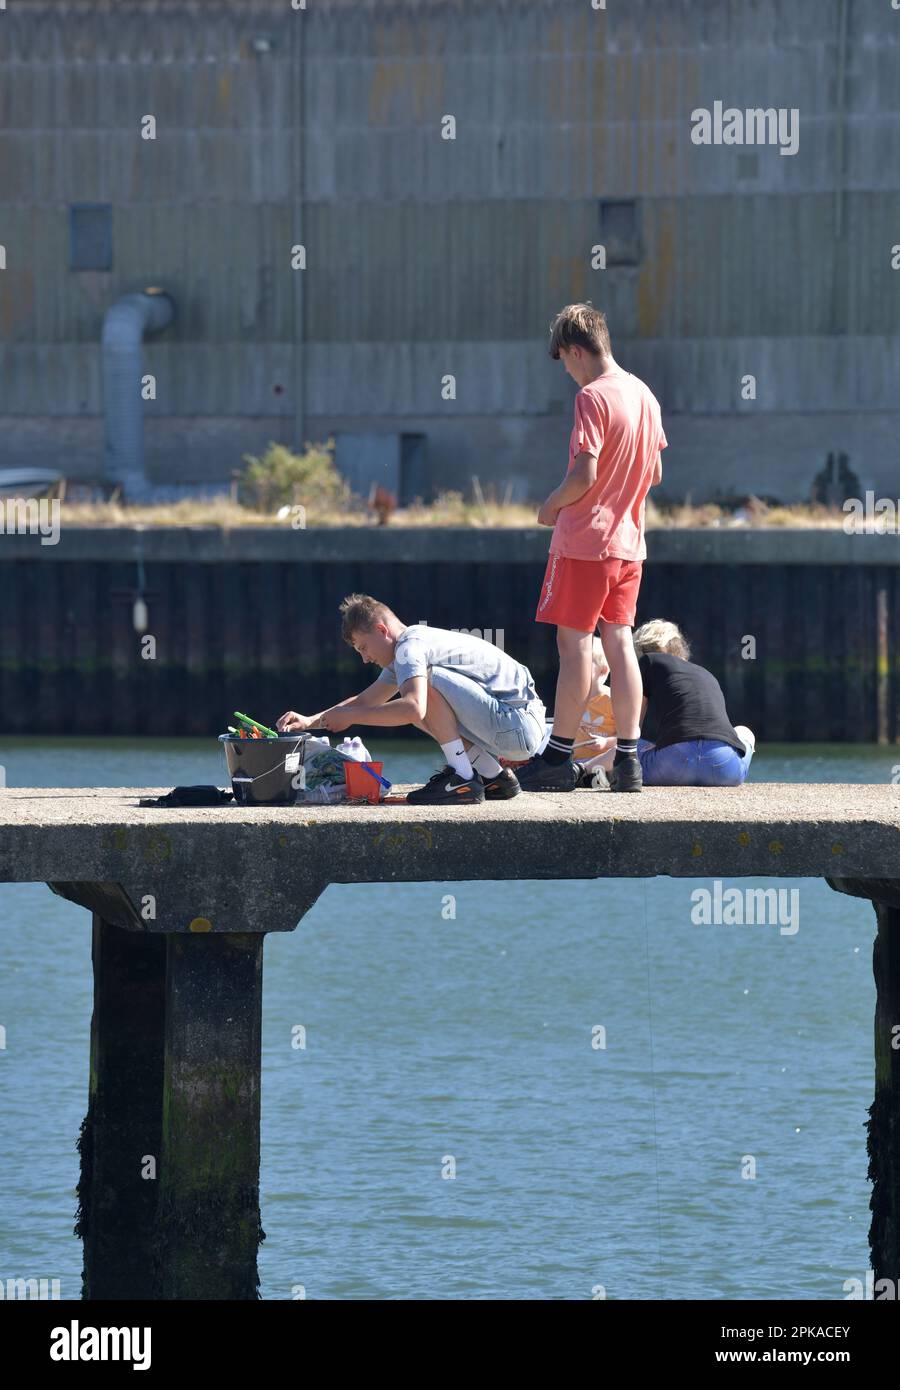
point(597, 549)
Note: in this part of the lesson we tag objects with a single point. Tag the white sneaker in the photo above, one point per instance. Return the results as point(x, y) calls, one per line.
point(747, 736)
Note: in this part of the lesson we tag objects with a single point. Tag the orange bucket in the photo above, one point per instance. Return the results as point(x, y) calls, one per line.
point(359, 783)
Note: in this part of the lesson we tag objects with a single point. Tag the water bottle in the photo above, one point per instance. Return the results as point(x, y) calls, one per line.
point(354, 748)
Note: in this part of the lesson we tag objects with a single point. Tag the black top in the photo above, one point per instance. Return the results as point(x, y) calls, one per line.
point(685, 700)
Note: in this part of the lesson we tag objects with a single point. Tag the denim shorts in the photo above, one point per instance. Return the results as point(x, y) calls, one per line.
point(507, 731)
point(700, 762)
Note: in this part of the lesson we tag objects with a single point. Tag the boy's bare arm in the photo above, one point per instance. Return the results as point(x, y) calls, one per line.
point(581, 476)
point(409, 706)
point(374, 695)
point(657, 471)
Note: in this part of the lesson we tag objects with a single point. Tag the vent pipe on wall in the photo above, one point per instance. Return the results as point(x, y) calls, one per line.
point(124, 326)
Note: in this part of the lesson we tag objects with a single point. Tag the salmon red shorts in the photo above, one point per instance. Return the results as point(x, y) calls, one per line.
point(578, 593)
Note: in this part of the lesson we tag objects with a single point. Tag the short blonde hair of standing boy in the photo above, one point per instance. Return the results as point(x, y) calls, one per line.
point(580, 325)
point(661, 636)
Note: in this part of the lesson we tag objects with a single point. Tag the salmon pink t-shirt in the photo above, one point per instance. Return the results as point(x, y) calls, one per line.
point(617, 417)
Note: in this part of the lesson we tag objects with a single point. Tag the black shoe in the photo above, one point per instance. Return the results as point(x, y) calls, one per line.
point(537, 775)
point(447, 788)
point(592, 778)
point(501, 787)
point(626, 774)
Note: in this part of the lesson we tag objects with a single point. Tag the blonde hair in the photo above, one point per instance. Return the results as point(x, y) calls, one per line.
point(360, 613)
point(659, 635)
point(580, 325)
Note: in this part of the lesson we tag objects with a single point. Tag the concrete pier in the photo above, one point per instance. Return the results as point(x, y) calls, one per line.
point(117, 1205)
point(182, 900)
point(884, 1113)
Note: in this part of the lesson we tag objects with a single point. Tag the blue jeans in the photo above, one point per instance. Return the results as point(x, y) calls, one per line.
point(701, 762)
point(507, 731)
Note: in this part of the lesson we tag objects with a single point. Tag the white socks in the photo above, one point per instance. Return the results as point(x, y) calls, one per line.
point(458, 758)
point(481, 761)
point(484, 763)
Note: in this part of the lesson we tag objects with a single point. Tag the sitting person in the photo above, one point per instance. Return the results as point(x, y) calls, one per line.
point(695, 745)
point(595, 742)
point(475, 701)
point(594, 746)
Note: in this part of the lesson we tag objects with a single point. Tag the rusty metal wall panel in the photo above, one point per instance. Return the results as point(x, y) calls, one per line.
point(505, 378)
point(424, 252)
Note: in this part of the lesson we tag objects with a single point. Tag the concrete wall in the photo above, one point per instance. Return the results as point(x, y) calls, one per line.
point(428, 257)
point(688, 547)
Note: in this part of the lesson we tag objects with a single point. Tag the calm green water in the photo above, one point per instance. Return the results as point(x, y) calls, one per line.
point(426, 1037)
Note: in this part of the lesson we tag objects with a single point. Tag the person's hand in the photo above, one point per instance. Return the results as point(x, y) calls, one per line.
point(335, 720)
point(292, 723)
point(547, 515)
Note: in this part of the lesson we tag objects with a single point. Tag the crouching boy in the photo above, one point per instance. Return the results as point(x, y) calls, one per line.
point(473, 699)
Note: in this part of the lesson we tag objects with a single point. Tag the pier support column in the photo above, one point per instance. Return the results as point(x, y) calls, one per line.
point(117, 1201)
point(208, 1223)
point(884, 1116)
point(884, 1113)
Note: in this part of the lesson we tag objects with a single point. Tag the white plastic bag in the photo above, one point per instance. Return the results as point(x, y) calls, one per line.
point(356, 749)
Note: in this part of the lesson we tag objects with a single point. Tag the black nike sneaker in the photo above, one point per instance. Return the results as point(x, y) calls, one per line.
point(447, 788)
point(537, 775)
point(626, 775)
point(501, 787)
